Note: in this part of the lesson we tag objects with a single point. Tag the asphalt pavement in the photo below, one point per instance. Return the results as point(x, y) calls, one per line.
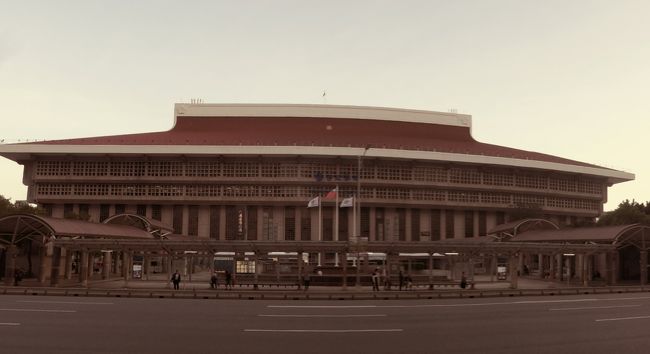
point(611, 323)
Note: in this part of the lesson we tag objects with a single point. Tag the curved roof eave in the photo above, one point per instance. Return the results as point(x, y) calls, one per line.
point(613, 176)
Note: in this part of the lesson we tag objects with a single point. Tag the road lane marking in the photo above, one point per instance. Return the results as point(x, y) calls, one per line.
point(66, 302)
point(37, 310)
point(591, 307)
point(622, 318)
point(378, 315)
point(325, 330)
point(429, 305)
point(323, 306)
point(9, 324)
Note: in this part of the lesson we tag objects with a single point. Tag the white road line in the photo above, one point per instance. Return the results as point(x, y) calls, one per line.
point(622, 318)
point(322, 306)
point(37, 310)
point(429, 305)
point(325, 330)
point(379, 315)
point(9, 324)
point(591, 307)
point(67, 302)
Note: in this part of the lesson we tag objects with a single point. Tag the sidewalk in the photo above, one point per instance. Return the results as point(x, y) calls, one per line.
point(200, 281)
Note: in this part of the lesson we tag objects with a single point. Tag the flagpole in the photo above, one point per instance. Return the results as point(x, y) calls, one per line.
point(320, 227)
point(336, 224)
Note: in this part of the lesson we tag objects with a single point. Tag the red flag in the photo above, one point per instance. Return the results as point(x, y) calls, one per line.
point(332, 194)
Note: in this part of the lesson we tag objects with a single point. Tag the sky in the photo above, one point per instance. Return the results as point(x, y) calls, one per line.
point(566, 78)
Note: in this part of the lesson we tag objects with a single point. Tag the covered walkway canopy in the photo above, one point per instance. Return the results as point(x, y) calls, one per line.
point(18, 227)
point(513, 228)
point(620, 236)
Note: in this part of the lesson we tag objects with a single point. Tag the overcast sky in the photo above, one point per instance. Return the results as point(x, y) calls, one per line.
point(567, 78)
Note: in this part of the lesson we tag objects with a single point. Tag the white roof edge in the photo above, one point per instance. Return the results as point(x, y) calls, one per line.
point(613, 176)
point(321, 111)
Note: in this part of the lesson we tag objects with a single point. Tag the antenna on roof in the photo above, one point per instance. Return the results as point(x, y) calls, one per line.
point(453, 110)
point(196, 101)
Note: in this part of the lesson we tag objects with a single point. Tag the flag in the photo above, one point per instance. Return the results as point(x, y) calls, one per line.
point(314, 202)
point(332, 194)
point(347, 202)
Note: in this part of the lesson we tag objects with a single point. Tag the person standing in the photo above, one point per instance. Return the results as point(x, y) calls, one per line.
point(375, 280)
point(214, 281)
point(306, 280)
point(176, 279)
point(401, 279)
point(228, 280)
point(463, 281)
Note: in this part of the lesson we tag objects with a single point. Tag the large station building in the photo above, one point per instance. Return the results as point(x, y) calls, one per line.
point(234, 172)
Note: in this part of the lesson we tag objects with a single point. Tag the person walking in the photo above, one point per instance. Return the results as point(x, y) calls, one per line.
point(176, 280)
point(375, 280)
point(306, 279)
point(401, 279)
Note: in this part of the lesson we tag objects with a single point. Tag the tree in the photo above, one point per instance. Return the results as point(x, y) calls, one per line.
point(627, 212)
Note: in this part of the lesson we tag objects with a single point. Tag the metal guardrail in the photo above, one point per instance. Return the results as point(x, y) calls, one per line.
point(351, 294)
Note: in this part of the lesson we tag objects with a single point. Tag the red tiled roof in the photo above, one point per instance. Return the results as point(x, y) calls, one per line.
point(292, 131)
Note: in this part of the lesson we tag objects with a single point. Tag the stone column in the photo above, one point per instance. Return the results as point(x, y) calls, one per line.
point(586, 271)
point(430, 271)
point(540, 262)
point(46, 264)
point(551, 266)
point(69, 254)
point(146, 266)
point(344, 260)
point(299, 260)
point(106, 265)
point(10, 263)
point(56, 265)
point(255, 271)
point(126, 266)
point(514, 277)
point(644, 267)
point(83, 268)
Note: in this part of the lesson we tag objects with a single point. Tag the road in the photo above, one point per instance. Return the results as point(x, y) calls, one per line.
point(614, 323)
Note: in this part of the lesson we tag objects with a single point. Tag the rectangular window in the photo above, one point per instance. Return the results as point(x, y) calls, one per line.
point(215, 214)
point(120, 208)
point(343, 226)
point(68, 210)
point(193, 220)
point(290, 223)
point(379, 224)
point(84, 211)
point(469, 223)
point(305, 225)
point(328, 220)
point(449, 224)
point(415, 224)
point(251, 223)
point(501, 217)
point(141, 210)
point(156, 212)
point(177, 219)
point(365, 222)
point(482, 223)
point(435, 225)
point(104, 212)
point(401, 224)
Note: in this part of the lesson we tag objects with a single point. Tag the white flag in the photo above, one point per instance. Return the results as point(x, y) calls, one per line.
point(347, 202)
point(314, 202)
